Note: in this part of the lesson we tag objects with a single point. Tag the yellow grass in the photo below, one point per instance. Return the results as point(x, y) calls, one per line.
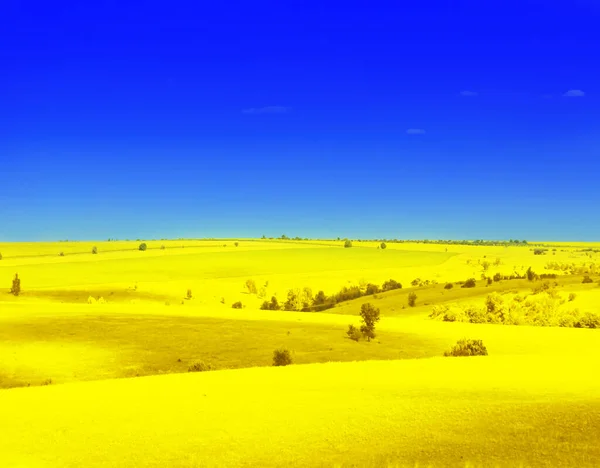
point(534, 401)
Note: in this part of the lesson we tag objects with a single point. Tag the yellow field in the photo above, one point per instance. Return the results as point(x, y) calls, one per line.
point(70, 397)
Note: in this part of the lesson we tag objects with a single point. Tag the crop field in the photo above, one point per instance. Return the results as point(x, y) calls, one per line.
point(96, 353)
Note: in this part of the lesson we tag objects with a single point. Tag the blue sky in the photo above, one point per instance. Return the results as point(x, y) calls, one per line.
point(318, 119)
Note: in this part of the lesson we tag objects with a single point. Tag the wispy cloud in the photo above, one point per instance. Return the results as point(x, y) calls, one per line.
point(469, 93)
point(266, 110)
point(574, 93)
point(415, 131)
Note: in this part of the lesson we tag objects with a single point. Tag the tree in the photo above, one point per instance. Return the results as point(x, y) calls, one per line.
point(16, 286)
point(189, 294)
point(281, 357)
point(94, 250)
point(347, 244)
point(143, 246)
point(251, 285)
point(236, 243)
point(382, 245)
point(412, 299)
point(353, 333)
point(391, 284)
point(370, 316)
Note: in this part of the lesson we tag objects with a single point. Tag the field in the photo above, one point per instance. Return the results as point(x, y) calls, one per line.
point(106, 383)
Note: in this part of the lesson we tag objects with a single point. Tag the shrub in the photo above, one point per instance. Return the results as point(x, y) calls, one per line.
point(448, 286)
point(0, 256)
point(530, 274)
point(391, 284)
point(353, 333)
point(347, 244)
point(16, 286)
point(236, 305)
point(572, 297)
point(281, 357)
point(416, 282)
point(588, 320)
point(320, 298)
point(251, 285)
point(587, 279)
point(272, 305)
point(489, 281)
point(61, 254)
point(412, 299)
point(370, 316)
point(143, 246)
point(470, 283)
point(371, 289)
point(189, 293)
point(497, 277)
point(94, 250)
point(200, 366)
point(467, 347)
point(382, 245)
point(162, 247)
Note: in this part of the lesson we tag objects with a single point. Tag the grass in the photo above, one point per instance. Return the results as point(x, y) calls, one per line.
point(393, 402)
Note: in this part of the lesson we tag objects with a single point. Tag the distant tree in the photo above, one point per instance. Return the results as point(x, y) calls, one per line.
point(530, 274)
point(236, 243)
point(189, 293)
point(412, 299)
point(251, 285)
point(587, 279)
point(382, 245)
point(16, 286)
point(272, 305)
point(282, 357)
point(94, 250)
point(448, 286)
point(470, 283)
point(371, 289)
point(237, 305)
point(263, 237)
point(348, 244)
point(391, 284)
point(497, 277)
point(485, 265)
point(143, 246)
point(320, 298)
point(370, 316)
point(0, 256)
point(61, 254)
point(162, 247)
point(353, 333)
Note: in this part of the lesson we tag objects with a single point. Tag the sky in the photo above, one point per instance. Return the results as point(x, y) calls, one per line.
point(373, 119)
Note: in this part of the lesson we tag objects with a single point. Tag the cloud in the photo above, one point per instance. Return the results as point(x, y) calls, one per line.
point(468, 93)
point(415, 131)
point(574, 93)
point(267, 110)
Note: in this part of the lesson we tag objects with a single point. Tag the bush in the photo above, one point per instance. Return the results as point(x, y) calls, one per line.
point(467, 347)
point(588, 320)
point(189, 293)
point(236, 305)
point(572, 297)
point(371, 289)
point(448, 286)
point(0, 256)
point(470, 283)
point(416, 282)
point(353, 333)
point(497, 277)
point(61, 254)
point(382, 245)
point(200, 366)
point(236, 243)
point(489, 281)
point(391, 284)
point(281, 357)
point(251, 285)
point(16, 286)
point(143, 246)
point(347, 244)
point(162, 247)
point(587, 279)
point(370, 316)
point(94, 250)
point(272, 305)
point(412, 299)
point(530, 274)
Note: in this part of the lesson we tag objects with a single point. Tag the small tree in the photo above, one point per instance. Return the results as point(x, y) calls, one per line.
point(16, 286)
point(370, 316)
point(282, 357)
point(251, 285)
point(353, 333)
point(143, 246)
point(412, 299)
point(382, 245)
point(189, 294)
point(448, 286)
point(466, 347)
point(347, 244)
point(162, 247)
point(587, 279)
point(470, 283)
point(0, 256)
point(237, 305)
point(391, 284)
point(94, 250)
point(236, 243)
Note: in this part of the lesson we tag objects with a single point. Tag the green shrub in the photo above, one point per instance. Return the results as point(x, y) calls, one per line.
point(470, 283)
point(16, 286)
point(200, 366)
point(587, 279)
point(236, 243)
point(412, 299)
point(347, 244)
point(281, 357)
point(497, 277)
point(467, 347)
point(390, 285)
point(371, 289)
point(448, 286)
point(353, 333)
point(143, 246)
point(489, 281)
point(237, 305)
point(382, 245)
point(588, 320)
point(94, 250)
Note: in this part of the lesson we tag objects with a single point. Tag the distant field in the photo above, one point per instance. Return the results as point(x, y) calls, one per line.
point(532, 401)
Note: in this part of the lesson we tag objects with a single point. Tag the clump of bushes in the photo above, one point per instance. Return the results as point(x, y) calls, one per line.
point(237, 305)
point(412, 299)
point(353, 333)
point(371, 289)
point(391, 284)
point(16, 285)
point(143, 246)
point(61, 254)
point(282, 357)
point(587, 279)
point(448, 286)
point(271, 305)
point(467, 347)
point(470, 283)
point(497, 277)
point(251, 286)
point(200, 366)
